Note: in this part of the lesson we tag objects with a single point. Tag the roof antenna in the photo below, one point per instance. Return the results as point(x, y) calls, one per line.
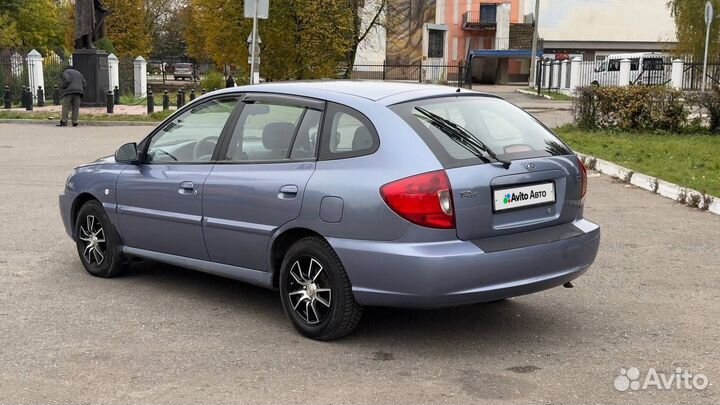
point(458, 90)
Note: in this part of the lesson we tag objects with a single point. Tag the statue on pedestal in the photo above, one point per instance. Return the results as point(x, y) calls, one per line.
point(89, 22)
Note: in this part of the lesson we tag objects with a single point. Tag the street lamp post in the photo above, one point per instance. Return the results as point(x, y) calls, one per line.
point(254, 43)
point(709, 11)
point(255, 9)
point(533, 56)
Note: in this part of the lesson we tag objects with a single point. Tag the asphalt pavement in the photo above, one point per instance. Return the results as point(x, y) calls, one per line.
point(166, 335)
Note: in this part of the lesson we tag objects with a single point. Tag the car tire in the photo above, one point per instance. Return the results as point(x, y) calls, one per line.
point(98, 243)
point(316, 292)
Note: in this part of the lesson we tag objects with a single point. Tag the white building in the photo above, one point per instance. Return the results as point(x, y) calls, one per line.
point(596, 28)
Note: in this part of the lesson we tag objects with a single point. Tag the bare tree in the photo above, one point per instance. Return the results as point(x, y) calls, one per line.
point(367, 16)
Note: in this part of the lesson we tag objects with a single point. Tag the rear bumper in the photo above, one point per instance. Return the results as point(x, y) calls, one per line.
point(458, 272)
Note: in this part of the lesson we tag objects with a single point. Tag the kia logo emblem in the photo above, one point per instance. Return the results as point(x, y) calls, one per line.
point(530, 166)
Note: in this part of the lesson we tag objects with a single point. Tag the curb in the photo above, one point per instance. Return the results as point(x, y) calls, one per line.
point(544, 108)
point(654, 185)
point(24, 121)
point(532, 93)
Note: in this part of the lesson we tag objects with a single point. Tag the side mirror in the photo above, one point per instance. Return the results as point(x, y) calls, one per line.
point(127, 153)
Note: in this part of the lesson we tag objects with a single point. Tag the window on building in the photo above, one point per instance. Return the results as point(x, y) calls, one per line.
point(436, 43)
point(488, 14)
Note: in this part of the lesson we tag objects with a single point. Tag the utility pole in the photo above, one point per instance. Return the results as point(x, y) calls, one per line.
point(533, 56)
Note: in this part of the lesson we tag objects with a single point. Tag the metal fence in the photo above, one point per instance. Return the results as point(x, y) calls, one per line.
point(53, 66)
point(162, 70)
point(554, 76)
point(693, 75)
point(451, 75)
point(126, 75)
point(13, 72)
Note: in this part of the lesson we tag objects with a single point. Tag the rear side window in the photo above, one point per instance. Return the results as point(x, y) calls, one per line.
point(347, 133)
point(509, 131)
point(264, 132)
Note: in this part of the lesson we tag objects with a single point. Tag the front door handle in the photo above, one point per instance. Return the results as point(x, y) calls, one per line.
point(187, 187)
point(289, 191)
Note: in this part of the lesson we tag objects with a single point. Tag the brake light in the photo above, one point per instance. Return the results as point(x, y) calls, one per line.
point(425, 199)
point(584, 180)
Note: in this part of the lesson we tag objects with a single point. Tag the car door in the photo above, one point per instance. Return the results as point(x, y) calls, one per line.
point(259, 180)
point(160, 199)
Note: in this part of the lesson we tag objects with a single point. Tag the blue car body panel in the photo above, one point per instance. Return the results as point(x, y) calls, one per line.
point(225, 218)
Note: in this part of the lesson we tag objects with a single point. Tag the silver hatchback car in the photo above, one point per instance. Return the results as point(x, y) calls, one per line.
point(342, 195)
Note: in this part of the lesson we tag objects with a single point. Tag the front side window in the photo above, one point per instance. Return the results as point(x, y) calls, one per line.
point(509, 131)
point(266, 132)
point(193, 135)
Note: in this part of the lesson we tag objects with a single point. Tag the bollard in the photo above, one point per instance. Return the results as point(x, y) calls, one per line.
point(166, 101)
point(202, 91)
point(40, 97)
point(192, 94)
point(182, 96)
point(110, 101)
point(150, 101)
point(56, 96)
point(8, 97)
point(28, 99)
point(116, 95)
point(23, 97)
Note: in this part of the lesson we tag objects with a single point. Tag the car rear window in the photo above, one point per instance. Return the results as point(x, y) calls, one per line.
point(506, 129)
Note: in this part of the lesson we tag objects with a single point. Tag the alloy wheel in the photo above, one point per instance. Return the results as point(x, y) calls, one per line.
point(309, 290)
point(92, 236)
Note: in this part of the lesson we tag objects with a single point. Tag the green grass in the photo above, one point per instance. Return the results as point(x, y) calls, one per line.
point(37, 115)
point(689, 160)
point(553, 95)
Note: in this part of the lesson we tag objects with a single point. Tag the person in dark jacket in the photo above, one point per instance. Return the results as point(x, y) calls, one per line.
point(230, 82)
point(73, 90)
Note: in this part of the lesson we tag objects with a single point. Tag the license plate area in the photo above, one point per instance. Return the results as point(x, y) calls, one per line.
point(523, 196)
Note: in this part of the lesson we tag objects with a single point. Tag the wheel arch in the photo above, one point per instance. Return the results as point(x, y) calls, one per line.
point(280, 244)
point(77, 204)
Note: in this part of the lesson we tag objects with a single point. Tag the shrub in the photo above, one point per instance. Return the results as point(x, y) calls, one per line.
point(629, 108)
point(710, 102)
point(213, 81)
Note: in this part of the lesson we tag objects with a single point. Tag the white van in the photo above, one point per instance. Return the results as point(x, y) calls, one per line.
point(645, 68)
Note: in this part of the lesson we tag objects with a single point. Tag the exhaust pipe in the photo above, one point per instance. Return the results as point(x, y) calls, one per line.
point(568, 285)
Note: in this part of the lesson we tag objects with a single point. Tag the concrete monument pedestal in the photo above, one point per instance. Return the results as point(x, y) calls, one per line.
point(93, 64)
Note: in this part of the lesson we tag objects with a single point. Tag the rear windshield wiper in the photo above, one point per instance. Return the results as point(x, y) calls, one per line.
point(462, 136)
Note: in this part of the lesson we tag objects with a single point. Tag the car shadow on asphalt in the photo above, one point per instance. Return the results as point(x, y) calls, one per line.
point(503, 322)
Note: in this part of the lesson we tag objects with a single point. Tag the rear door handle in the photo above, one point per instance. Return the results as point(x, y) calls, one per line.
point(289, 191)
point(187, 187)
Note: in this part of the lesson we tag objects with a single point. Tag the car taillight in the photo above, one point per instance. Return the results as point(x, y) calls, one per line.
point(425, 199)
point(584, 180)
